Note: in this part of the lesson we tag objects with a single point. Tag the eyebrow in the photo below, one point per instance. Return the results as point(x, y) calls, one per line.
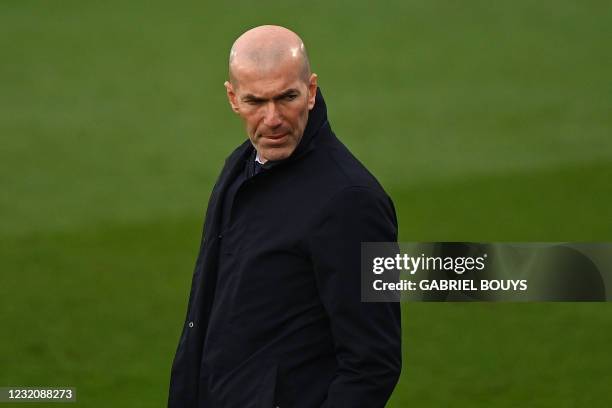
point(255, 98)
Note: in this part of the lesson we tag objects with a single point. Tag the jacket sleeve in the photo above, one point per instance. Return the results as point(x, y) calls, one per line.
point(367, 336)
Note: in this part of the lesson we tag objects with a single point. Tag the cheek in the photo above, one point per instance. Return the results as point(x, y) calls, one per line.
point(303, 118)
point(251, 121)
point(298, 117)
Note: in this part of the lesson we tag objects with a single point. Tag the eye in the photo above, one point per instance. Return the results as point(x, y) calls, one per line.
point(290, 97)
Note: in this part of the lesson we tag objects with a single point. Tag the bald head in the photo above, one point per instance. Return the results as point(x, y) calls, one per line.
point(266, 47)
point(271, 88)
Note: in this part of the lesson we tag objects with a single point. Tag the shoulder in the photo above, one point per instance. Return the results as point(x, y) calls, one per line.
point(341, 171)
point(345, 187)
point(355, 214)
point(238, 152)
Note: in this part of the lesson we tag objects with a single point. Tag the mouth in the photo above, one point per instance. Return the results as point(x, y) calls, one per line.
point(275, 139)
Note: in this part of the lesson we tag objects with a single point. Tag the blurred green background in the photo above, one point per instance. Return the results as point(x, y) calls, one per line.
point(486, 121)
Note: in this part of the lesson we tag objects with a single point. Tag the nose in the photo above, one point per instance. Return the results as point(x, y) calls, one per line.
point(272, 116)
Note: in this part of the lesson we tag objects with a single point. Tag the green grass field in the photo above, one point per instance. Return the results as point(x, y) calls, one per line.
point(487, 122)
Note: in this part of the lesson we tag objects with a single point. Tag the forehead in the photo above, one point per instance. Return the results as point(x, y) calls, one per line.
point(267, 81)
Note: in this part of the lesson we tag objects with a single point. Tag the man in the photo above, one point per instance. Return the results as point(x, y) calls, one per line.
point(274, 316)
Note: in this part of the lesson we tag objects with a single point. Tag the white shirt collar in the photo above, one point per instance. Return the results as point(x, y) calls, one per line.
point(257, 159)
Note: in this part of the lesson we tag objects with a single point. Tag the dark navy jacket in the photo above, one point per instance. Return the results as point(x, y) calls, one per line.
point(274, 316)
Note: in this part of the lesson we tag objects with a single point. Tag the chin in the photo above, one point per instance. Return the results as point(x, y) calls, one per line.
point(275, 154)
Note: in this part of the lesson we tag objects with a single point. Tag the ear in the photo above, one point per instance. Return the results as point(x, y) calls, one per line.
point(231, 96)
point(312, 91)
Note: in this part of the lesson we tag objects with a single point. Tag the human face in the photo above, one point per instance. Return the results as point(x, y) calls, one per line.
point(274, 106)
